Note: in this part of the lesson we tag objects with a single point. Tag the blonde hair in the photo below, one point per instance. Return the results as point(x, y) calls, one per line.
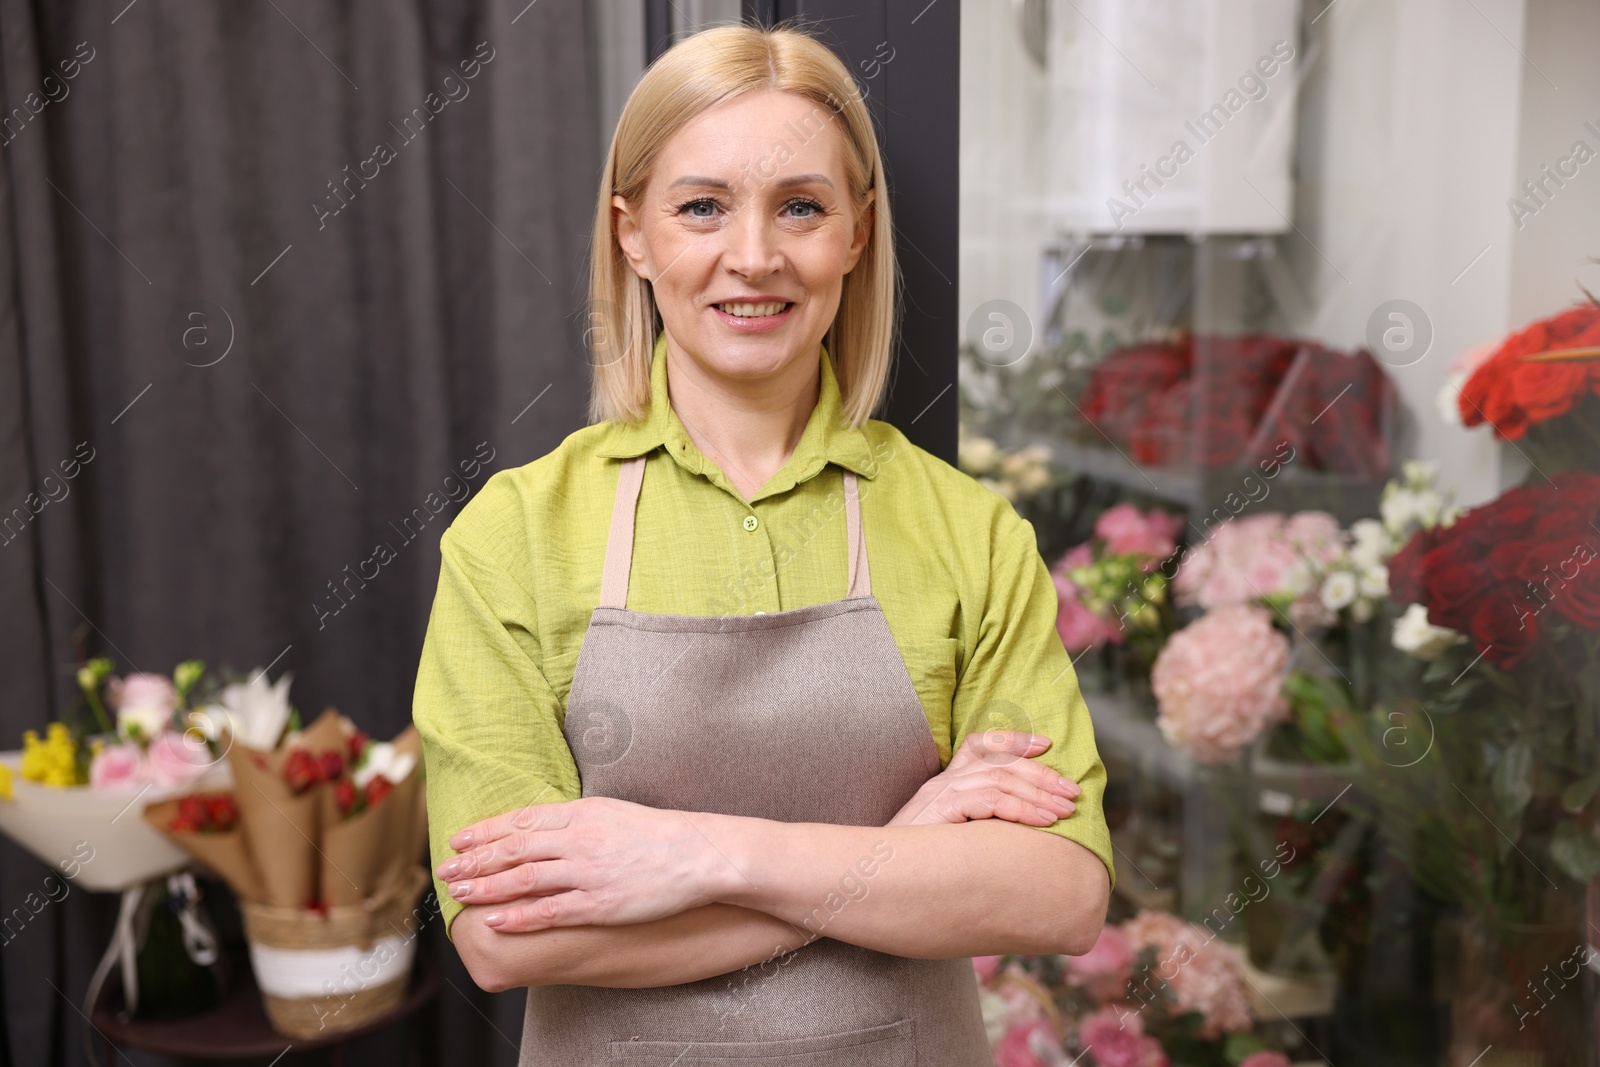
point(699, 73)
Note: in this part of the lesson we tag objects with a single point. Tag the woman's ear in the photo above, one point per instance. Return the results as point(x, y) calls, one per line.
point(629, 236)
point(864, 220)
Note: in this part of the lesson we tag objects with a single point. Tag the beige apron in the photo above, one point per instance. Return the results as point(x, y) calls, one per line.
point(806, 715)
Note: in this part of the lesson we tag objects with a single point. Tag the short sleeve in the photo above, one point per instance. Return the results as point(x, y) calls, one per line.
point(488, 718)
point(1018, 676)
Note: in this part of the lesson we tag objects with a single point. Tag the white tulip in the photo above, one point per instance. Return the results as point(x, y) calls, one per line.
point(381, 757)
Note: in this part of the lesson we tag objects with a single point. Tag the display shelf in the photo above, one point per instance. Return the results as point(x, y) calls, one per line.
point(1204, 492)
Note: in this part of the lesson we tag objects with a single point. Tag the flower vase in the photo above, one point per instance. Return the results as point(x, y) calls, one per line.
point(1515, 993)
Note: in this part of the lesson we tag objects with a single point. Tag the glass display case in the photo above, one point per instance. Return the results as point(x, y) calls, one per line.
point(1278, 328)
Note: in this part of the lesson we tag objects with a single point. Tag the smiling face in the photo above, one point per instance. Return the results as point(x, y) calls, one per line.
point(745, 231)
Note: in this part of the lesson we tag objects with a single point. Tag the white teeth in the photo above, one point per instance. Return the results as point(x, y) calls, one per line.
point(753, 311)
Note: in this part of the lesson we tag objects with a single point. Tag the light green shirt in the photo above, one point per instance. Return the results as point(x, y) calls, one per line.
point(966, 596)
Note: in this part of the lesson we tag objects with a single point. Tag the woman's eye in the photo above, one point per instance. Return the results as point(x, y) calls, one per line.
point(808, 209)
point(699, 209)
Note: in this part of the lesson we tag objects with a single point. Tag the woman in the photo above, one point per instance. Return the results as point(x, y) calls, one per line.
point(742, 715)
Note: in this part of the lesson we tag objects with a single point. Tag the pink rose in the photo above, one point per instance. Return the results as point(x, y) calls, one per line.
point(144, 703)
point(1265, 1059)
point(1128, 531)
point(143, 691)
point(178, 758)
point(986, 966)
point(1079, 627)
point(1118, 1040)
point(1020, 1047)
point(118, 766)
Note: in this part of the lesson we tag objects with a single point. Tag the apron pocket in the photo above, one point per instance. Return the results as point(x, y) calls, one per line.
point(890, 1045)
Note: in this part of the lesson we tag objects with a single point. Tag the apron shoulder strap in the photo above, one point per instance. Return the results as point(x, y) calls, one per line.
point(860, 576)
point(619, 543)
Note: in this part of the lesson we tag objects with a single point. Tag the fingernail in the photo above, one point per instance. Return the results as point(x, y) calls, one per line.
point(494, 919)
point(1052, 816)
point(461, 840)
point(460, 890)
point(450, 870)
point(1071, 807)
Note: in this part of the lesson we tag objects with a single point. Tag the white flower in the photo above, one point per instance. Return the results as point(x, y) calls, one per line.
point(1374, 582)
point(1413, 633)
point(381, 757)
point(978, 455)
point(1400, 509)
point(1339, 590)
point(254, 712)
point(1298, 579)
point(149, 720)
point(1362, 610)
point(1419, 473)
point(1447, 400)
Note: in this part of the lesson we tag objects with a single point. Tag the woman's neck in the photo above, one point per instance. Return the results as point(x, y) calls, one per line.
point(748, 429)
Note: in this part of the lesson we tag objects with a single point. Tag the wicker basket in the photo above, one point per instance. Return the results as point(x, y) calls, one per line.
point(323, 972)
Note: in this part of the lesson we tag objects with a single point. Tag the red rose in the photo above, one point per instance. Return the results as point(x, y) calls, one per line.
point(347, 796)
point(330, 765)
point(183, 824)
point(300, 770)
point(358, 745)
point(192, 809)
point(223, 812)
point(1510, 393)
point(378, 788)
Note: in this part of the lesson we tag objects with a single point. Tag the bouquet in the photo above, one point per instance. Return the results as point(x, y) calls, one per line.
point(1109, 589)
point(324, 819)
point(132, 740)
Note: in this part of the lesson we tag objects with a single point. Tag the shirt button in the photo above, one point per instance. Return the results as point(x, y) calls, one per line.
point(751, 522)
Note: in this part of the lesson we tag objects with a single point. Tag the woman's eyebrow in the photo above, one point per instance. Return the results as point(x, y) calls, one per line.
point(783, 183)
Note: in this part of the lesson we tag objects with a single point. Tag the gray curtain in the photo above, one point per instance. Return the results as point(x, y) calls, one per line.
point(261, 345)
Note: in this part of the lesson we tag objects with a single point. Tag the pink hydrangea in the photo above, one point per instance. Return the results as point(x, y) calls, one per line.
point(986, 967)
point(1204, 975)
point(1265, 1059)
point(1128, 531)
point(1116, 1038)
point(1259, 556)
point(1218, 682)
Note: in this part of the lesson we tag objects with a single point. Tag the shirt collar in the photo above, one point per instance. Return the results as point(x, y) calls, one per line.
point(825, 439)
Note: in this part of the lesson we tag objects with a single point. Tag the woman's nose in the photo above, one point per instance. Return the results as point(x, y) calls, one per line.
point(752, 250)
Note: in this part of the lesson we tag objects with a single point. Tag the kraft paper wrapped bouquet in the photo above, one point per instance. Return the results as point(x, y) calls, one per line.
point(320, 839)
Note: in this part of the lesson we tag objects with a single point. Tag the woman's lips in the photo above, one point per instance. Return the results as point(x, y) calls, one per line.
point(752, 323)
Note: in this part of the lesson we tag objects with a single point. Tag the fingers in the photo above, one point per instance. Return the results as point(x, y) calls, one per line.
point(575, 908)
point(552, 816)
point(500, 855)
point(542, 878)
point(999, 747)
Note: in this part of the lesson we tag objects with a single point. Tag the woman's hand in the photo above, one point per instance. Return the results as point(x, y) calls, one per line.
point(597, 861)
point(991, 777)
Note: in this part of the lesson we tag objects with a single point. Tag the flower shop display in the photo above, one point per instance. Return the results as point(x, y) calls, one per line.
point(320, 840)
point(1014, 475)
point(79, 784)
point(1110, 589)
point(1213, 401)
point(1539, 387)
point(1154, 991)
